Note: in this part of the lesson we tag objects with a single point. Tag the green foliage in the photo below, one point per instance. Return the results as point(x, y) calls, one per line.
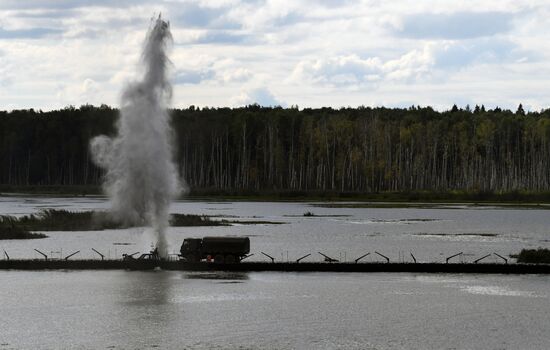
point(194, 220)
point(10, 230)
point(64, 220)
point(534, 256)
point(256, 150)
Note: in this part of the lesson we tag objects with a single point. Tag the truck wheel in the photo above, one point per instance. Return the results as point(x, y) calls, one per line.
point(229, 259)
point(219, 259)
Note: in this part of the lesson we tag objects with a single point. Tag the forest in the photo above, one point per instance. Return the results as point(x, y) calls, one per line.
point(258, 150)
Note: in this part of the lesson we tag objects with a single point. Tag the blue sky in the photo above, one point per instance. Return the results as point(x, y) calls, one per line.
point(305, 53)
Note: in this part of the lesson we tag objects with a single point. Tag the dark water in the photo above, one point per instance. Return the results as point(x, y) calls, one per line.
point(177, 310)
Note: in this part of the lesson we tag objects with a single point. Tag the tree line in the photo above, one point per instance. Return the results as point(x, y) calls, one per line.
point(257, 149)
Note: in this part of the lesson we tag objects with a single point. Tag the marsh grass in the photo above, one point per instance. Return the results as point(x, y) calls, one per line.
point(65, 220)
point(534, 256)
point(10, 230)
point(252, 222)
point(195, 220)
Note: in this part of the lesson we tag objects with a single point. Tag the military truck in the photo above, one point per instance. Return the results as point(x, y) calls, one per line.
point(219, 249)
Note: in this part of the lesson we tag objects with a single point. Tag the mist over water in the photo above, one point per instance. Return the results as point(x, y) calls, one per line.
point(141, 178)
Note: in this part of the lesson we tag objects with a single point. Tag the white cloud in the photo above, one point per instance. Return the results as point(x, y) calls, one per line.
point(89, 90)
point(352, 70)
point(236, 75)
point(211, 69)
point(459, 25)
point(261, 96)
point(310, 52)
point(255, 17)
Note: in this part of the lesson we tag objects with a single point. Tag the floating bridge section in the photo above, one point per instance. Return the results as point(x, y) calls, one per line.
point(489, 268)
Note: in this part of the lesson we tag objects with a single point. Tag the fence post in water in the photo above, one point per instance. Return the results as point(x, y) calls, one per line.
point(452, 256)
point(101, 255)
point(68, 256)
point(6, 254)
point(247, 256)
point(328, 258)
point(483, 257)
point(413, 257)
point(303, 257)
point(382, 255)
point(361, 257)
point(500, 256)
point(45, 256)
point(269, 256)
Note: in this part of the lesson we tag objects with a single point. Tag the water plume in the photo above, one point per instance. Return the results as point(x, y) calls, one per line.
point(141, 179)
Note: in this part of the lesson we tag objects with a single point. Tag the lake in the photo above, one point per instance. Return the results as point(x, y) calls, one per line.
point(174, 309)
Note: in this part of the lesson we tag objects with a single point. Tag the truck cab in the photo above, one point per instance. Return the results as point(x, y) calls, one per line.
point(222, 249)
point(191, 249)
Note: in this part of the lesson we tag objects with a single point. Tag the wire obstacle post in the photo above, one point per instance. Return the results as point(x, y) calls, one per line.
point(452, 256)
point(382, 255)
point(303, 257)
point(101, 255)
point(269, 256)
point(44, 255)
point(361, 257)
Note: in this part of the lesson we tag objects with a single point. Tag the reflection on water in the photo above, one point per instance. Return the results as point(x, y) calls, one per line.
point(178, 310)
point(148, 288)
point(500, 291)
point(218, 275)
point(141, 308)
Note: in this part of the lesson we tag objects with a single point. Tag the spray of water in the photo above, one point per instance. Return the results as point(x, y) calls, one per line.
point(141, 178)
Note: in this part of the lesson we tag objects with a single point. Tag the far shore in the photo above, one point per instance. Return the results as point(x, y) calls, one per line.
point(442, 197)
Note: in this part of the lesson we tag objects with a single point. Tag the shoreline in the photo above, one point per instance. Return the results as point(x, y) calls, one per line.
point(142, 265)
point(428, 197)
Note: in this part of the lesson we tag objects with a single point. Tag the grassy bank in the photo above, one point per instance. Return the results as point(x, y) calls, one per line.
point(9, 229)
point(52, 190)
point(456, 196)
point(417, 196)
point(534, 256)
point(64, 220)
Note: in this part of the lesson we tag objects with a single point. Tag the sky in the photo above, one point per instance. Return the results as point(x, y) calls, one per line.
point(336, 53)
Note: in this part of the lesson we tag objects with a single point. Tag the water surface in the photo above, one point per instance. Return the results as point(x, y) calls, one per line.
point(178, 310)
point(182, 310)
point(430, 234)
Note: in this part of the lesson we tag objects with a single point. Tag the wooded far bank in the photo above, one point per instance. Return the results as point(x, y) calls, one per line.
point(256, 150)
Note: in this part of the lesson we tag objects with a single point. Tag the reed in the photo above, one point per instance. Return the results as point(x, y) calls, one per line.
point(10, 230)
point(65, 220)
point(534, 256)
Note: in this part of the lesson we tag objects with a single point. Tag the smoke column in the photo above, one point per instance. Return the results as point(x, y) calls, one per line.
point(141, 179)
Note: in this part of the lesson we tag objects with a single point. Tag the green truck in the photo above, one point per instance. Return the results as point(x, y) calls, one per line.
point(227, 250)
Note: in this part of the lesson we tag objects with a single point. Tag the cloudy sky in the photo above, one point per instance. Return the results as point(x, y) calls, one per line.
point(286, 52)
